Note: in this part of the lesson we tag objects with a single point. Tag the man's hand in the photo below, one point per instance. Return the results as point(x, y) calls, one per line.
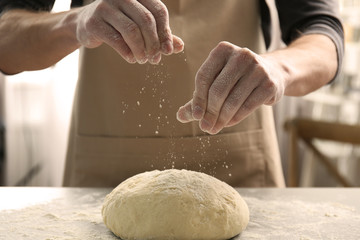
point(137, 29)
point(234, 81)
point(231, 84)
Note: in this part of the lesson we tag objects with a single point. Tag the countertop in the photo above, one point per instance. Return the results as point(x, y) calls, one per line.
point(75, 213)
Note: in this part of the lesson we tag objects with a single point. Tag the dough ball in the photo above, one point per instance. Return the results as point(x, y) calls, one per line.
point(175, 204)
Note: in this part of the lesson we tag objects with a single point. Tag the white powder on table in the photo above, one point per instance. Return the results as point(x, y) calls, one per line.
point(281, 219)
point(58, 219)
point(269, 219)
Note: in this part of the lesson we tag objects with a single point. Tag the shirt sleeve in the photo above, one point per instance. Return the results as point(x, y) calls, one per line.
point(76, 3)
point(35, 5)
point(299, 17)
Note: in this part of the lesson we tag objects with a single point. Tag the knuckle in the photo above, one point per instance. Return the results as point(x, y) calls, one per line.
point(245, 56)
point(240, 58)
point(148, 19)
point(212, 112)
point(162, 12)
point(222, 47)
point(118, 42)
point(131, 30)
point(102, 6)
point(126, 3)
point(197, 97)
point(261, 70)
point(269, 86)
point(116, 38)
point(199, 100)
point(165, 35)
point(246, 51)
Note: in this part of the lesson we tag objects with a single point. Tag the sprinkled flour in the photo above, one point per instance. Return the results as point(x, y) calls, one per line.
point(78, 216)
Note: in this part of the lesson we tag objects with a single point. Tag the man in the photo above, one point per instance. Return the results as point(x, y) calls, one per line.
point(124, 114)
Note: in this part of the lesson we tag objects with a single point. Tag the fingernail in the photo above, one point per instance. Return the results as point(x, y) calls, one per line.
point(179, 117)
point(130, 59)
point(178, 46)
point(198, 112)
point(143, 60)
point(155, 59)
point(167, 47)
point(183, 116)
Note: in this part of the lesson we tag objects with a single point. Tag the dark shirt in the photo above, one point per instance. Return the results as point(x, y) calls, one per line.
point(296, 17)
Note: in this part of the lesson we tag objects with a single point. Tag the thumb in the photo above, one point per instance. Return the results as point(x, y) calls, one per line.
point(184, 114)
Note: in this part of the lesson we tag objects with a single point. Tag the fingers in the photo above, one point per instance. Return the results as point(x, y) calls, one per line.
point(140, 32)
point(255, 100)
point(92, 30)
point(130, 32)
point(141, 27)
point(239, 94)
point(116, 41)
point(161, 15)
point(251, 92)
point(207, 73)
point(148, 15)
point(232, 84)
point(153, 19)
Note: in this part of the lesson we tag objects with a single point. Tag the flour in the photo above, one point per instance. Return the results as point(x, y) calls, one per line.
point(301, 220)
point(79, 217)
point(56, 220)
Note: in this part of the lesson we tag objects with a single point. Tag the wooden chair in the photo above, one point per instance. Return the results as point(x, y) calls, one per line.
point(307, 130)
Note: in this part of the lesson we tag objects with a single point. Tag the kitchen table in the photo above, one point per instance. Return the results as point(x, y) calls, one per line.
point(75, 213)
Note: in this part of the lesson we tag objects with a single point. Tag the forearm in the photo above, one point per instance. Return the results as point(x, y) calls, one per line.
point(308, 63)
point(33, 41)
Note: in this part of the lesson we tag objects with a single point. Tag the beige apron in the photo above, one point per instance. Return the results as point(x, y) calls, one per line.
point(124, 119)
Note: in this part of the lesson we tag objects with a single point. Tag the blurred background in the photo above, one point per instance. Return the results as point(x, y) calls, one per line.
point(36, 108)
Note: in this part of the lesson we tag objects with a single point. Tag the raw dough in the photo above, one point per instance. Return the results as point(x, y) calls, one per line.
point(175, 204)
